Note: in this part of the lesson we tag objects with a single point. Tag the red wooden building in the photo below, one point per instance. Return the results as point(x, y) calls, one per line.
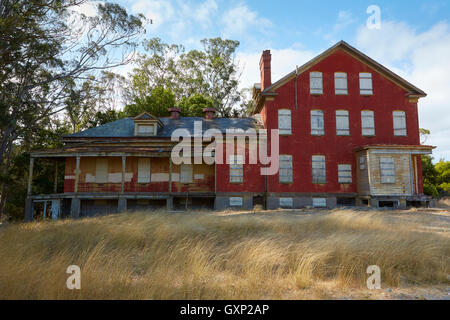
point(348, 135)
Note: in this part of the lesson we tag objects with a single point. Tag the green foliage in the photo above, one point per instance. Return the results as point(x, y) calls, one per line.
point(157, 103)
point(436, 178)
point(103, 117)
point(194, 105)
point(212, 72)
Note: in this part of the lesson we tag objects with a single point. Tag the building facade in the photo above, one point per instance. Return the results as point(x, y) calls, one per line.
point(348, 135)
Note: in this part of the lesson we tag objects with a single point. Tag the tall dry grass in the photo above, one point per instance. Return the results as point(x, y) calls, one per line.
point(204, 256)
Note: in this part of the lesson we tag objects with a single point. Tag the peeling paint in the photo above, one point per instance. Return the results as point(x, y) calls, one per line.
point(160, 177)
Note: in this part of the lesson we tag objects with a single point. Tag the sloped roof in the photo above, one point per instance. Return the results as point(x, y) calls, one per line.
point(358, 54)
point(342, 45)
point(125, 127)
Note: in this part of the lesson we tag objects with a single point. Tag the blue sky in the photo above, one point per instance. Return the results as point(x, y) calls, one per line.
point(413, 41)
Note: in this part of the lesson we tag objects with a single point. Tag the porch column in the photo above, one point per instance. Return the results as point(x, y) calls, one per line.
point(169, 204)
point(29, 201)
point(30, 177)
point(122, 202)
point(55, 184)
point(77, 174)
point(75, 205)
point(122, 187)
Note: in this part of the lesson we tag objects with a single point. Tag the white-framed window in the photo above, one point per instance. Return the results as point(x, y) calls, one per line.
point(342, 123)
point(319, 171)
point(144, 170)
point(319, 202)
point(236, 201)
point(186, 173)
point(367, 123)
point(362, 162)
point(285, 169)
point(284, 121)
point(387, 170)
point(145, 129)
point(399, 118)
point(344, 173)
point(365, 83)
point(317, 124)
point(236, 168)
point(315, 83)
point(286, 202)
point(340, 83)
point(101, 170)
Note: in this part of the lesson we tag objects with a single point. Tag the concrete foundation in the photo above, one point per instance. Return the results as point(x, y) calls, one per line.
point(122, 205)
point(28, 210)
point(169, 204)
point(223, 202)
point(75, 207)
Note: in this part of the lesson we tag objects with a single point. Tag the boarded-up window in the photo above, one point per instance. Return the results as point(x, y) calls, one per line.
point(317, 125)
point(285, 172)
point(236, 201)
point(286, 203)
point(399, 123)
point(387, 170)
point(101, 170)
point(315, 83)
point(319, 172)
point(367, 123)
point(342, 123)
point(344, 173)
point(148, 130)
point(236, 168)
point(340, 83)
point(365, 83)
point(284, 121)
point(319, 202)
point(362, 162)
point(144, 170)
point(186, 173)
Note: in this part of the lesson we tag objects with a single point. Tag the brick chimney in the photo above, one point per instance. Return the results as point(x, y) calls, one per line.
point(264, 67)
point(174, 113)
point(209, 113)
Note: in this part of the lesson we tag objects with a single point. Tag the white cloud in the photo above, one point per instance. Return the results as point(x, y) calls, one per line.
point(240, 20)
point(344, 19)
point(422, 59)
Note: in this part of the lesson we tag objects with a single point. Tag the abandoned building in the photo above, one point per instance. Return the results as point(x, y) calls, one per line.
point(348, 135)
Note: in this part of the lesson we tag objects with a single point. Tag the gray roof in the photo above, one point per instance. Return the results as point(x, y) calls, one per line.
point(125, 127)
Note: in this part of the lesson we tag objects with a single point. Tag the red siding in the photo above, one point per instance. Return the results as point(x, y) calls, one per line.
point(386, 98)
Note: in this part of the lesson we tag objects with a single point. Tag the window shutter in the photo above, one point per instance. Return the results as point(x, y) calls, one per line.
point(186, 173)
point(367, 123)
point(319, 173)
point(387, 170)
point(362, 162)
point(143, 170)
point(285, 169)
point(284, 121)
point(236, 168)
point(315, 83)
point(342, 123)
point(319, 202)
point(340, 83)
point(345, 173)
point(101, 170)
point(365, 83)
point(399, 118)
point(286, 202)
point(317, 124)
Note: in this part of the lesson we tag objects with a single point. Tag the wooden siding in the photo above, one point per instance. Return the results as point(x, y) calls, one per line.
point(403, 175)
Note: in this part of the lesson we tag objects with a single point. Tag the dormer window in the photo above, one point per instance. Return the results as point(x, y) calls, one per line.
point(146, 129)
point(146, 125)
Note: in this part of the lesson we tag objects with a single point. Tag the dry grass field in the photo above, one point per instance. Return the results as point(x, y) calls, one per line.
point(298, 254)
